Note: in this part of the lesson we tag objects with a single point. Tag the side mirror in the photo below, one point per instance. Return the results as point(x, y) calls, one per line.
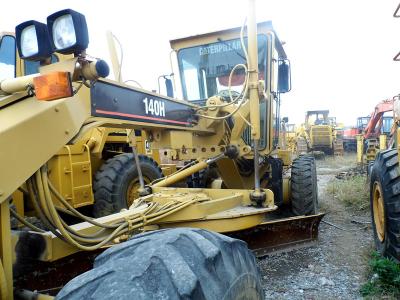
point(284, 76)
point(169, 88)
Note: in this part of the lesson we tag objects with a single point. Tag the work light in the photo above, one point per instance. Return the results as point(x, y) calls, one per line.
point(68, 31)
point(33, 41)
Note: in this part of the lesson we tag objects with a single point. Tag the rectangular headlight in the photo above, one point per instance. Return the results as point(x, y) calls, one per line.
point(29, 42)
point(68, 31)
point(64, 32)
point(33, 41)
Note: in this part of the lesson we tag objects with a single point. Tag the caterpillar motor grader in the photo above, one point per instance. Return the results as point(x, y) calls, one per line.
point(319, 134)
point(230, 132)
point(71, 169)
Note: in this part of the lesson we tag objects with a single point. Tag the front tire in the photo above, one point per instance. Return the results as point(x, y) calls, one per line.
point(304, 188)
point(116, 183)
point(177, 263)
point(385, 204)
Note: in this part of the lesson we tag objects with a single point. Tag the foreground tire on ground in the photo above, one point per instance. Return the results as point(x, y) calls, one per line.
point(177, 263)
point(116, 183)
point(304, 188)
point(385, 204)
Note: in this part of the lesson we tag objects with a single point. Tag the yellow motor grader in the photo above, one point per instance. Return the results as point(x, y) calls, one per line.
point(76, 169)
point(164, 245)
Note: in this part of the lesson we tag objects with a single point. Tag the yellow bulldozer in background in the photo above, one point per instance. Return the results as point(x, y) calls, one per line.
point(228, 129)
point(320, 133)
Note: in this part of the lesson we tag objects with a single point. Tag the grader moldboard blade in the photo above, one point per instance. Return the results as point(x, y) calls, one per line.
point(269, 237)
point(281, 234)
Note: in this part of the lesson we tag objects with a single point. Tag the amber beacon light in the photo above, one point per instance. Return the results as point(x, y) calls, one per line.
point(53, 86)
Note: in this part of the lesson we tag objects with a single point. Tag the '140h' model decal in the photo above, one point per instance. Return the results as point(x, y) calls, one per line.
point(154, 107)
point(113, 101)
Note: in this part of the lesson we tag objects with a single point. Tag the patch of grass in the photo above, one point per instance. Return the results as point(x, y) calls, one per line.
point(353, 191)
point(385, 279)
point(330, 161)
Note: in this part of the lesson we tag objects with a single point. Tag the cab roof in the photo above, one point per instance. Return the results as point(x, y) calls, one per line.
point(227, 34)
point(313, 112)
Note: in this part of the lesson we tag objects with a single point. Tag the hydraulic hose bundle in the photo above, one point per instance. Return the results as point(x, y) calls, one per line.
point(42, 191)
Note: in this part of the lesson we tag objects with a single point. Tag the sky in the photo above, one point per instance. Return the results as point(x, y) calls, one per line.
point(341, 51)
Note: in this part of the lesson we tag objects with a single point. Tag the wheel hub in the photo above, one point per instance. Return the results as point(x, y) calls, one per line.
point(379, 211)
point(132, 192)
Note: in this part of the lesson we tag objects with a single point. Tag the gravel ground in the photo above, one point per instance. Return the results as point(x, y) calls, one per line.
point(333, 268)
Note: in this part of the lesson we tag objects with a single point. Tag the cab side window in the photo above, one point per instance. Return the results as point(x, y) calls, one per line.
point(7, 57)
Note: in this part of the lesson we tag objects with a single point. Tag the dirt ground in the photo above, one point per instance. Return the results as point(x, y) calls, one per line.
point(336, 266)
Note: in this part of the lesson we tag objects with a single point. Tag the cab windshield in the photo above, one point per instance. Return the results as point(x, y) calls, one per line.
point(205, 69)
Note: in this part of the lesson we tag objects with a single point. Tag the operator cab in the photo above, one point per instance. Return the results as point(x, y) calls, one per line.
point(205, 69)
point(205, 63)
point(319, 117)
point(362, 122)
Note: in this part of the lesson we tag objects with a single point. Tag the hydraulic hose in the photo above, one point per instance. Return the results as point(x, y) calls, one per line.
point(41, 192)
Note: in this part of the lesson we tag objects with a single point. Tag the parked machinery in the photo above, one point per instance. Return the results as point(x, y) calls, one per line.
point(320, 133)
point(350, 133)
point(231, 134)
point(377, 133)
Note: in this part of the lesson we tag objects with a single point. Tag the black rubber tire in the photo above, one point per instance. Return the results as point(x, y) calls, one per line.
point(177, 263)
point(369, 168)
point(304, 187)
point(385, 171)
point(314, 175)
point(112, 182)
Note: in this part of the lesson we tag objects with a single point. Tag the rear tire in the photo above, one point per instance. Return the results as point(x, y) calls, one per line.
point(116, 183)
point(385, 204)
point(304, 187)
point(177, 263)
